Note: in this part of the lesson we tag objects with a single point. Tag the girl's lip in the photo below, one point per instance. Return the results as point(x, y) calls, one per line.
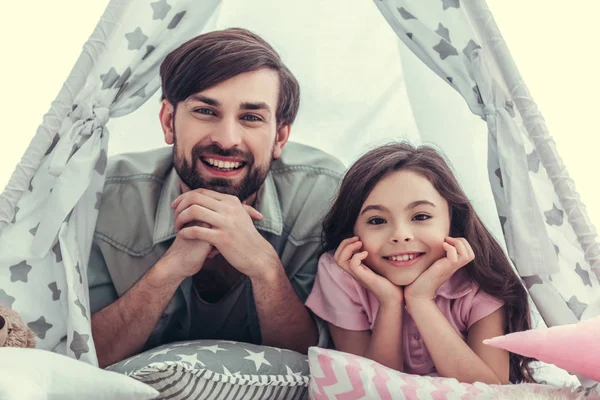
point(406, 263)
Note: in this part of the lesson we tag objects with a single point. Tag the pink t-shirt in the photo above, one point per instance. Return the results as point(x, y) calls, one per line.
point(339, 299)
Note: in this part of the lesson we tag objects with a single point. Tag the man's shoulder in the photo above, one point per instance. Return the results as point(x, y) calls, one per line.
point(306, 180)
point(150, 165)
point(303, 159)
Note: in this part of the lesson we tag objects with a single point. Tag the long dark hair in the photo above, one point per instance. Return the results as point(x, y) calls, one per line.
point(490, 269)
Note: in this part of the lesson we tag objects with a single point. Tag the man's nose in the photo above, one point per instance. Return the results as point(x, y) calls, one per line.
point(227, 134)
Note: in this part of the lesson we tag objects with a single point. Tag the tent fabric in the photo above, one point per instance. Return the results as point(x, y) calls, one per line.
point(48, 210)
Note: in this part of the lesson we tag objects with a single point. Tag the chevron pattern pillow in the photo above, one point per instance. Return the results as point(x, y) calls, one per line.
point(220, 370)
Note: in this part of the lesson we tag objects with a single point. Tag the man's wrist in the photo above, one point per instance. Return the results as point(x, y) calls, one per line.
point(268, 268)
point(163, 273)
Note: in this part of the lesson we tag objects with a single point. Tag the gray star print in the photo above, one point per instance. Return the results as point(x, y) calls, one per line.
point(498, 173)
point(15, 215)
point(554, 216)
point(556, 249)
point(82, 308)
point(149, 50)
point(160, 9)
point(405, 14)
point(55, 291)
point(176, 20)
point(100, 166)
point(109, 78)
point(445, 49)
point(78, 272)
point(18, 272)
point(30, 188)
point(57, 252)
point(136, 39)
point(449, 79)
point(123, 78)
point(55, 140)
point(583, 274)
point(450, 3)
point(40, 327)
point(5, 299)
point(532, 280)
point(470, 48)
point(79, 344)
point(33, 230)
point(576, 306)
point(410, 35)
point(141, 92)
point(443, 32)
point(533, 161)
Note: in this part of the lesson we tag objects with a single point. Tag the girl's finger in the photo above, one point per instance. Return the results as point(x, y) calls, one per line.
point(347, 252)
point(450, 252)
point(342, 245)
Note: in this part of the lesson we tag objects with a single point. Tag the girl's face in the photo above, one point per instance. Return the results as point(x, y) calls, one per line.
point(402, 224)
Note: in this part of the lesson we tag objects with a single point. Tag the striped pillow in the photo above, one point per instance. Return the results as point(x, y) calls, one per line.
point(218, 369)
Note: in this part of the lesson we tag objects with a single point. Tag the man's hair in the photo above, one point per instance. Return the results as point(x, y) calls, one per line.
point(215, 57)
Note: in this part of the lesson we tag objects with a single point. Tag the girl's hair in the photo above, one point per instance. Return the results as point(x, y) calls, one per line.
point(490, 269)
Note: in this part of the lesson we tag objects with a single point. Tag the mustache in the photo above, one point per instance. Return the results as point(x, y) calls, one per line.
point(198, 150)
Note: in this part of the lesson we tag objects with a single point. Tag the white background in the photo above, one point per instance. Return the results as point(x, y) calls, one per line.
point(555, 48)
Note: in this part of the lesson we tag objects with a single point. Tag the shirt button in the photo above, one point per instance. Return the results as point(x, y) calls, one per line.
point(417, 337)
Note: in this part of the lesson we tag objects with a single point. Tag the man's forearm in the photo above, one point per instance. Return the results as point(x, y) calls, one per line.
point(122, 328)
point(284, 321)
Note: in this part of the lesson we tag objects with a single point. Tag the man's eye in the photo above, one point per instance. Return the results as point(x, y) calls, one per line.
point(205, 111)
point(251, 118)
point(10, 330)
point(376, 221)
point(421, 217)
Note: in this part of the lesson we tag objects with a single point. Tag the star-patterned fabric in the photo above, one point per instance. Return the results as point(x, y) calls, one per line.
point(220, 367)
point(53, 207)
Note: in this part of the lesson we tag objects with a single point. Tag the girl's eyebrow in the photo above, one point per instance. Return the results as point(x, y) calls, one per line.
point(419, 203)
point(373, 207)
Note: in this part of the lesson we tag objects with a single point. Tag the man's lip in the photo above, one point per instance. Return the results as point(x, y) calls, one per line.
point(224, 159)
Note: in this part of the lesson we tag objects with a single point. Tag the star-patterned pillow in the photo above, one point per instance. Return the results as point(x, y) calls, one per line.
point(219, 368)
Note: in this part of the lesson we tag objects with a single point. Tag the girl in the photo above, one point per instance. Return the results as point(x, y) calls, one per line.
point(411, 278)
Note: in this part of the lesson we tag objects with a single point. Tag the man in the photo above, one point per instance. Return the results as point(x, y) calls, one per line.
point(218, 237)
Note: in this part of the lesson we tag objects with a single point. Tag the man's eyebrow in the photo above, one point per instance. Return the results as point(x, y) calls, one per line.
point(373, 207)
point(204, 99)
point(419, 203)
point(259, 105)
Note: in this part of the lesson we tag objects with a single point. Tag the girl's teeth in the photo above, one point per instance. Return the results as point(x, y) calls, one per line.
point(403, 258)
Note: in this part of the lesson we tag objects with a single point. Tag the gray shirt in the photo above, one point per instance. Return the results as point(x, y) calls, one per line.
point(136, 227)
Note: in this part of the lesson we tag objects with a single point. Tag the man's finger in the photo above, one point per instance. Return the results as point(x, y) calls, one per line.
point(187, 199)
point(197, 213)
point(253, 212)
point(199, 233)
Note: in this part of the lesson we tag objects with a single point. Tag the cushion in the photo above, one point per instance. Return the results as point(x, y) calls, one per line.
point(337, 375)
point(220, 369)
point(572, 347)
point(34, 374)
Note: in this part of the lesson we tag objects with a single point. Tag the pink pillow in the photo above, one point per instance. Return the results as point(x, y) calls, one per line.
point(574, 348)
point(341, 376)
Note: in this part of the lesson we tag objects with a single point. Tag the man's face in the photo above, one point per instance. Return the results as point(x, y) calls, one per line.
point(226, 137)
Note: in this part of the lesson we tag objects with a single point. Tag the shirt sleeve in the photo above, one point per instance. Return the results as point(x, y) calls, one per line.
point(101, 288)
point(336, 297)
point(482, 305)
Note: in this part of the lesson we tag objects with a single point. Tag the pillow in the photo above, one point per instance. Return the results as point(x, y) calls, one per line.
point(38, 374)
point(232, 370)
point(572, 347)
point(336, 375)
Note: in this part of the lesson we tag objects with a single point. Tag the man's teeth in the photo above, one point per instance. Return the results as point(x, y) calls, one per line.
point(404, 257)
point(223, 164)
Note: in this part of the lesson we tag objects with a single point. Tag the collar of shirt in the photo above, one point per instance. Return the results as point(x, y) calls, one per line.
point(267, 203)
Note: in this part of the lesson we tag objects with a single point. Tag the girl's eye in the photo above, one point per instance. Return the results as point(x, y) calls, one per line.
point(421, 217)
point(376, 221)
point(205, 111)
point(251, 118)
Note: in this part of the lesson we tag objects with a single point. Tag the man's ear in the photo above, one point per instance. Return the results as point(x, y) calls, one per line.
point(281, 138)
point(166, 115)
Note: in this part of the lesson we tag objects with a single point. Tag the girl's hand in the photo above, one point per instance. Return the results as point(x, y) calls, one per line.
point(350, 260)
point(458, 254)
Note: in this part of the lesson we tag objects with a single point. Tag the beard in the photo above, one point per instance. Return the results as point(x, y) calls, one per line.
point(191, 176)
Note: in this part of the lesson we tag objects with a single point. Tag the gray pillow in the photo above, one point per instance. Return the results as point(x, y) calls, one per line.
point(218, 369)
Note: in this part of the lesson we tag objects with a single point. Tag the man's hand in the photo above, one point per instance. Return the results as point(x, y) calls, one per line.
point(186, 257)
point(231, 230)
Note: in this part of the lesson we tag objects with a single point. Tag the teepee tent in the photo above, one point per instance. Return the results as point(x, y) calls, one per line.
point(430, 57)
